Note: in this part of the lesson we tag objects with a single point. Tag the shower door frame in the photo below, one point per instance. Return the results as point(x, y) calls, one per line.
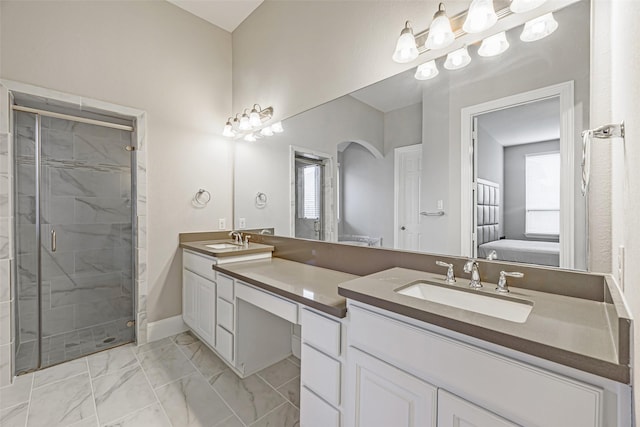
point(139, 192)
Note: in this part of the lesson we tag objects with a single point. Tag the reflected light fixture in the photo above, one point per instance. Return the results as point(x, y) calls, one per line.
point(440, 34)
point(250, 138)
point(228, 129)
point(457, 59)
point(244, 122)
point(406, 48)
point(521, 6)
point(277, 127)
point(248, 126)
point(481, 16)
point(266, 131)
point(494, 45)
point(254, 117)
point(539, 28)
point(426, 71)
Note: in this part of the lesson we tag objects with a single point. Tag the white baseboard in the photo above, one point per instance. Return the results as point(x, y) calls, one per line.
point(165, 328)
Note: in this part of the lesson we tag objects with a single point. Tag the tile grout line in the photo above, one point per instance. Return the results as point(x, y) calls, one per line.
point(153, 390)
point(93, 394)
point(207, 381)
point(285, 397)
point(270, 412)
point(129, 414)
point(26, 419)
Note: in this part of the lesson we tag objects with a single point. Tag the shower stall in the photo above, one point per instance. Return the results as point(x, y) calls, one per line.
point(73, 234)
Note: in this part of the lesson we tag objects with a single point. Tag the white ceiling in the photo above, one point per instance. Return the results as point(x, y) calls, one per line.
point(390, 94)
point(226, 14)
point(533, 122)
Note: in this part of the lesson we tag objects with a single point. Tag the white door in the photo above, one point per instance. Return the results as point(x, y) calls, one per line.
point(189, 285)
point(456, 412)
point(386, 396)
point(206, 309)
point(408, 171)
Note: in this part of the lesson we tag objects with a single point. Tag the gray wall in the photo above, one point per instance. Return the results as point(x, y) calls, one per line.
point(514, 185)
point(490, 158)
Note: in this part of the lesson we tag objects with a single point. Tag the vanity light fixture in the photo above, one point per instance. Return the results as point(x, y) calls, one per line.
point(521, 6)
point(228, 129)
point(427, 71)
point(406, 48)
point(248, 123)
point(254, 117)
point(440, 33)
point(494, 45)
point(539, 28)
point(266, 131)
point(457, 59)
point(244, 122)
point(481, 16)
point(250, 138)
point(277, 127)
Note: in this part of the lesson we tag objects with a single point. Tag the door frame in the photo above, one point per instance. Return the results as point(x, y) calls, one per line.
point(396, 185)
point(565, 92)
point(330, 174)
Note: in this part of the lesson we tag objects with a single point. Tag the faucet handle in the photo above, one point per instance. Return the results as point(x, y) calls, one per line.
point(492, 255)
point(502, 281)
point(450, 279)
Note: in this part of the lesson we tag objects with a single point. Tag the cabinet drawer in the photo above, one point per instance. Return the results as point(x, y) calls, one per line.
point(321, 332)
point(268, 302)
point(199, 264)
point(315, 412)
point(224, 343)
point(225, 287)
point(225, 314)
point(321, 374)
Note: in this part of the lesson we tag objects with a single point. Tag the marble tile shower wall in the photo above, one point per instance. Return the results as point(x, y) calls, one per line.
point(86, 198)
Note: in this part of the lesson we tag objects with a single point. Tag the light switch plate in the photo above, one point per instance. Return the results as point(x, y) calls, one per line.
point(242, 223)
point(222, 223)
point(440, 205)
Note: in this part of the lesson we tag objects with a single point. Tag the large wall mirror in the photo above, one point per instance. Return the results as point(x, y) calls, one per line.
point(483, 161)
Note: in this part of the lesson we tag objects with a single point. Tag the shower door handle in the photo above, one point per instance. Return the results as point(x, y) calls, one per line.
point(53, 240)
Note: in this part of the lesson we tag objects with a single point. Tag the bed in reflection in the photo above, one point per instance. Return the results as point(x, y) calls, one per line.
point(488, 229)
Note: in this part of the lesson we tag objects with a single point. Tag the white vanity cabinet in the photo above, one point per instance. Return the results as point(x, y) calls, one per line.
point(400, 367)
point(199, 295)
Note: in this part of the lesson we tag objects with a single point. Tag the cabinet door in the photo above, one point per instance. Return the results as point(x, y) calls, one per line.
point(189, 285)
point(206, 310)
point(386, 396)
point(456, 412)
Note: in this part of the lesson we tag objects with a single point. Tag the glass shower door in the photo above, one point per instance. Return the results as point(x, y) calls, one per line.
point(85, 245)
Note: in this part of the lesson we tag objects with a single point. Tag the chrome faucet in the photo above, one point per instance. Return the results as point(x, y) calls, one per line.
point(502, 282)
point(472, 267)
point(450, 279)
point(492, 255)
point(236, 236)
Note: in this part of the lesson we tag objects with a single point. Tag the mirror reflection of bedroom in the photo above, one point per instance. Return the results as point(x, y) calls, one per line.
point(517, 201)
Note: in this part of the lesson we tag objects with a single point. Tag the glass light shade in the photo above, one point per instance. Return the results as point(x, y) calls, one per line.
point(481, 16)
point(244, 123)
point(406, 48)
point(277, 127)
point(228, 130)
point(440, 34)
point(494, 45)
point(426, 71)
point(254, 119)
point(521, 6)
point(250, 138)
point(457, 59)
point(267, 131)
point(539, 28)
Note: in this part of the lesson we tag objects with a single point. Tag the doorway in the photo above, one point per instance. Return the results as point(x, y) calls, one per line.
point(74, 233)
point(408, 179)
point(309, 197)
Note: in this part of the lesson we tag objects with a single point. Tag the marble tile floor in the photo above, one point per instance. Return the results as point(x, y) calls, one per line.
point(62, 347)
point(175, 382)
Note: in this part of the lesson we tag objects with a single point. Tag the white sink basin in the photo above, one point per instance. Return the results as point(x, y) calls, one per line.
point(221, 246)
point(500, 307)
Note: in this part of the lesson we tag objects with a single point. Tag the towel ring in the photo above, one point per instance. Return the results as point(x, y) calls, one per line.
point(201, 198)
point(261, 200)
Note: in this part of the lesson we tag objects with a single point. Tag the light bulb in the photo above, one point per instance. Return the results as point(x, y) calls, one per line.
point(440, 34)
point(267, 131)
point(480, 16)
point(521, 6)
point(406, 49)
point(494, 45)
point(244, 122)
point(426, 71)
point(539, 28)
point(277, 127)
point(250, 138)
point(457, 59)
point(228, 130)
point(254, 118)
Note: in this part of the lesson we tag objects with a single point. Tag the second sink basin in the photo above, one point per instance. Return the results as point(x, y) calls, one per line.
point(499, 306)
point(221, 246)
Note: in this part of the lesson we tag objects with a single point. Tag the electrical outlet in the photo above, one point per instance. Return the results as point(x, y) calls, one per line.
point(242, 223)
point(440, 205)
point(621, 266)
point(222, 223)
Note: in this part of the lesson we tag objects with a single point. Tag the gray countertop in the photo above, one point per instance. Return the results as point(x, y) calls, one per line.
point(571, 331)
point(313, 286)
point(201, 247)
